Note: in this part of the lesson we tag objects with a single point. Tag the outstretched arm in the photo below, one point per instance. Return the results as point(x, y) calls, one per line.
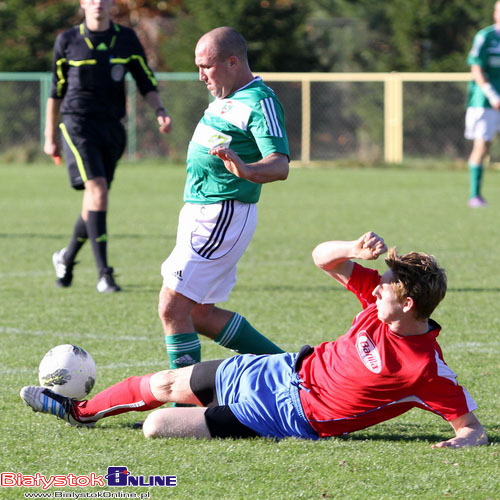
point(273, 167)
point(334, 257)
point(468, 432)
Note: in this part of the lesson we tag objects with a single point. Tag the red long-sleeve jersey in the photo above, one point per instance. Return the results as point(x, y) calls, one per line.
point(371, 374)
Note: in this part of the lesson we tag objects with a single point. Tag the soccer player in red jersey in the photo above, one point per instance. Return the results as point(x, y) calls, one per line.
point(387, 363)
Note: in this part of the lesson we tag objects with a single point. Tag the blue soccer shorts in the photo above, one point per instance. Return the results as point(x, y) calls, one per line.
point(263, 394)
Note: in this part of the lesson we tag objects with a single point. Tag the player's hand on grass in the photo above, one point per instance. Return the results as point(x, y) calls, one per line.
point(369, 246)
point(468, 432)
point(460, 442)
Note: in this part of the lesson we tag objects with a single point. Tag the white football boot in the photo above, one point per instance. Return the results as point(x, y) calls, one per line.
point(64, 271)
point(43, 400)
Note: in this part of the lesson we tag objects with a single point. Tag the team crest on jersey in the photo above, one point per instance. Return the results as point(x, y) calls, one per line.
point(368, 352)
point(232, 111)
point(227, 107)
point(117, 72)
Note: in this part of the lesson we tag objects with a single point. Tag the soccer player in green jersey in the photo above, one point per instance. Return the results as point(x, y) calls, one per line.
point(482, 119)
point(239, 144)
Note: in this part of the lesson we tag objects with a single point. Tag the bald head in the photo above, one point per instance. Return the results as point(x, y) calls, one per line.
point(225, 42)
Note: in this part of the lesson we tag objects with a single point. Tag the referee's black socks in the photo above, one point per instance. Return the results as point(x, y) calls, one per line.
point(77, 240)
point(96, 230)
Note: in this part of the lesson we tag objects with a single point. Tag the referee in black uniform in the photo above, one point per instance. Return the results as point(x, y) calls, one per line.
point(87, 103)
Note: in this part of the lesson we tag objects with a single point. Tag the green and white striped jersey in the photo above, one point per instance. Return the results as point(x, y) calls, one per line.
point(251, 122)
point(485, 52)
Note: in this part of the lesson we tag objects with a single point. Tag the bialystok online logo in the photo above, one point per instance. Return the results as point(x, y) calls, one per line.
point(116, 476)
point(120, 476)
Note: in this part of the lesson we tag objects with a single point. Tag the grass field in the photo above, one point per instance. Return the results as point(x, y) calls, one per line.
point(282, 294)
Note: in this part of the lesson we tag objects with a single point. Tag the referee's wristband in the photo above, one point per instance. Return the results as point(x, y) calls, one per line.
point(491, 93)
point(161, 108)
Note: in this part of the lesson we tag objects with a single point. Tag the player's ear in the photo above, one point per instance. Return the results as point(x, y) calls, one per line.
point(408, 304)
point(232, 61)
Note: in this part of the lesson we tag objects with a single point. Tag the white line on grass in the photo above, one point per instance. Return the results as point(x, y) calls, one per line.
point(72, 334)
point(479, 347)
point(20, 331)
point(109, 366)
point(99, 336)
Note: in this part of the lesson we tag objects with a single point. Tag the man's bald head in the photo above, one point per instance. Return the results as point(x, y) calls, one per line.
point(225, 42)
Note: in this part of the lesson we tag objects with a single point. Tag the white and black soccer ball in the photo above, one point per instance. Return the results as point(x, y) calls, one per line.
point(68, 370)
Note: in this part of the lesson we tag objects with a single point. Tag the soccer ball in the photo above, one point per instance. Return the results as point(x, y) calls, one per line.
point(68, 370)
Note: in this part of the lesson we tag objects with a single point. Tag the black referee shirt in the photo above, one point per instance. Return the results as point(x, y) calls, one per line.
point(89, 70)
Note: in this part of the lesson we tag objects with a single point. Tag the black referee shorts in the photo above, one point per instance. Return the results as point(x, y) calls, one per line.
point(220, 420)
point(92, 148)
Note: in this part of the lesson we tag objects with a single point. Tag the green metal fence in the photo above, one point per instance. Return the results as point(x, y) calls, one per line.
point(329, 116)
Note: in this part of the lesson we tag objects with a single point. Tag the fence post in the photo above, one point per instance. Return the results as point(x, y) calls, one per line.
point(305, 154)
point(393, 119)
point(45, 79)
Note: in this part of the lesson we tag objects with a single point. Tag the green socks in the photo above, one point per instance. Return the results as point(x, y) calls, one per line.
point(183, 349)
point(475, 178)
point(240, 336)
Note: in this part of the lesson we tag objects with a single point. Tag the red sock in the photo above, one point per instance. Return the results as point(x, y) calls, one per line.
point(131, 394)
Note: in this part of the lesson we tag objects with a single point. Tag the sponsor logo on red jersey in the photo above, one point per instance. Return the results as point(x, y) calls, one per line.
point(368, 352)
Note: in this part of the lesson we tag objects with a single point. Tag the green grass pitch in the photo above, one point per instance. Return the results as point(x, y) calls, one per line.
point(281, 292)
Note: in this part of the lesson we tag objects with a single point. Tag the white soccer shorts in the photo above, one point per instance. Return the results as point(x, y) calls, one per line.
point(211, 239)
point(481, 123)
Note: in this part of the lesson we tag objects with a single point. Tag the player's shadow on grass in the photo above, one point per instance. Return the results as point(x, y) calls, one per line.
point(414, 432)
point(411, 435)
point(408, 433)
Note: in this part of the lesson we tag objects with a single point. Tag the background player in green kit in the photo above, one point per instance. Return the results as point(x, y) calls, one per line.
point(482, 119)
point(239, 144)
point(88, 94)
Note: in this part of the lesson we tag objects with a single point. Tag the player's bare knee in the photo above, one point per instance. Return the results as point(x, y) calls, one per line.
point(166, 307)
point(151, 427)
point(171, 306)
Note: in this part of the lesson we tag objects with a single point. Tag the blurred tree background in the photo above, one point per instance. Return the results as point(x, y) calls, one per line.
point(283, 35)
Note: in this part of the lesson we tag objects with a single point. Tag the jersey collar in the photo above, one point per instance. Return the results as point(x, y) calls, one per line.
point(84, 31)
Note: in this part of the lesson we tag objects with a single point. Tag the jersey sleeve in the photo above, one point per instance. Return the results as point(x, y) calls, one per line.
point(59, 83)
point(442, 394)
point(477, 54)
point(138, 66)
point(362, 283)
point(267, 126)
